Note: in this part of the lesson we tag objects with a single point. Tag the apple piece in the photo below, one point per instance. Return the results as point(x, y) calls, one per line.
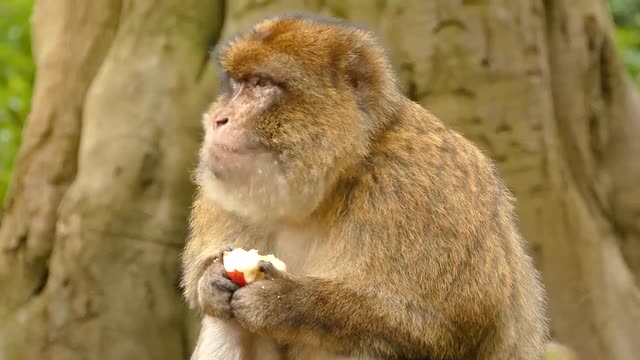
point(237, 277)
point(242, 265)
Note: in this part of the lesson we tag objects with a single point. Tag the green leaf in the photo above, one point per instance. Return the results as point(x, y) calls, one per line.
point(16, 81)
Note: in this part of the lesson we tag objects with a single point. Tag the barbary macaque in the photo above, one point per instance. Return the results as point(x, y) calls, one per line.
point(397, 233)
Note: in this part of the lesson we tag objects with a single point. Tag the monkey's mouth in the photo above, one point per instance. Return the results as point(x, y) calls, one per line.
point(234, 162)
point(241, 150)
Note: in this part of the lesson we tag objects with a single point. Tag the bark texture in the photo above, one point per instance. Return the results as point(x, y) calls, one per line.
point(95, 219)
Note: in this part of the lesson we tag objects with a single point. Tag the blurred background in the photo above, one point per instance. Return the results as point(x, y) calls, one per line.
point(100, 105)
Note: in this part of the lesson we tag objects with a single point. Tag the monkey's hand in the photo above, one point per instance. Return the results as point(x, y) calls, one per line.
point(257, 306)
point(214, 288)
point(324, 313)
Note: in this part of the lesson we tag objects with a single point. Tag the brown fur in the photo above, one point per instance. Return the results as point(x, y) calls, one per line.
point(398, 232)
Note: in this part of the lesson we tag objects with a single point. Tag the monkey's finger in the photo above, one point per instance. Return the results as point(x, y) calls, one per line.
point(221, 253)
point(270, 271)
point(223, 283)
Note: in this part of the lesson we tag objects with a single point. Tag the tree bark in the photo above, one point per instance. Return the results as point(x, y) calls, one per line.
point(537, 84)
point(597, 224)
point(96, 216)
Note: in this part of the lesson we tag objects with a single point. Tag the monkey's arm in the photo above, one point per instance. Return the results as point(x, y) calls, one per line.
point(332, 315)
point(212, 231)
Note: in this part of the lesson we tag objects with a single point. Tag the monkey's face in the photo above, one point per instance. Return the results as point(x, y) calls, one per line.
point(292, 117)
point(271, 150)
point(233, 151)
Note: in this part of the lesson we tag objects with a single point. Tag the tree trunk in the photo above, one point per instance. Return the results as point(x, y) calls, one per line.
point(537, 84)
point(96, 214)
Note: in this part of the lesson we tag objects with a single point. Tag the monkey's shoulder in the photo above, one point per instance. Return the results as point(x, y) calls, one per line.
point(420, 150)
point(423, 166)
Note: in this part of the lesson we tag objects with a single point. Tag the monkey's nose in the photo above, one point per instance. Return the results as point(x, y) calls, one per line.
point(222, 122)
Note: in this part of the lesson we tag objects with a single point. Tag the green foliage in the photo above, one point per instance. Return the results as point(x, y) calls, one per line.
point(626, 14)
point(16, 80)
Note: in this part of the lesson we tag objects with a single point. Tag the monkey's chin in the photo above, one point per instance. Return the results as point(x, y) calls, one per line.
point(235, 172)
point(251, 187)
point(234, 166)
point(263, 193)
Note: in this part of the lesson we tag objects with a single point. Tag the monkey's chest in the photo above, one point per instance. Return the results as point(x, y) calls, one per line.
point(302, 250)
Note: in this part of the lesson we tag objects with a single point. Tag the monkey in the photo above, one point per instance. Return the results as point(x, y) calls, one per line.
point(399, 235)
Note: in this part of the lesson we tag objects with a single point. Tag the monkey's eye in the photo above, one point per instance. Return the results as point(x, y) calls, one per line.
point(260, 81)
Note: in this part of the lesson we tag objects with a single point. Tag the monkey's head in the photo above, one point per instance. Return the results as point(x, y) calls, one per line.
point(300, 101)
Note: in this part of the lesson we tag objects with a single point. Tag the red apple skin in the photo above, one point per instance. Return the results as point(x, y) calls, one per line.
point(237, 277)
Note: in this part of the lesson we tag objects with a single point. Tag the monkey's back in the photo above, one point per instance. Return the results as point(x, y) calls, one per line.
point(462, 254)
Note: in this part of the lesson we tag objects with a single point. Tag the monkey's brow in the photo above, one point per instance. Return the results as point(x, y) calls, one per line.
point(264, 75)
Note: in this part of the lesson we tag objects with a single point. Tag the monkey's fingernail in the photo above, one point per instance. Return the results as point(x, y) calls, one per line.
point(264, 265)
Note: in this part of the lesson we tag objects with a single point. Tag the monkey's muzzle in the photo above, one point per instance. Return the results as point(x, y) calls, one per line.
point(227, 162)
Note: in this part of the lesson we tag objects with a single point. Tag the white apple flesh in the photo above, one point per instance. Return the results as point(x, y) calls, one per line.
point(242, 265)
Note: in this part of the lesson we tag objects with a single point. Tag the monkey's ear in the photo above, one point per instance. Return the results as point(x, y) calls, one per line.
point(358, 69)
point(363, 72)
